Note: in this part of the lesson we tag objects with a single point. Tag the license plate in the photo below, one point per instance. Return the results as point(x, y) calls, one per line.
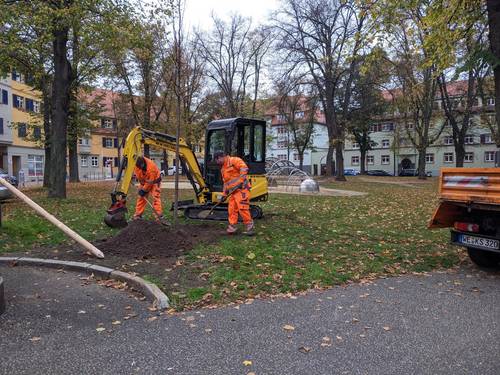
point(483, 243)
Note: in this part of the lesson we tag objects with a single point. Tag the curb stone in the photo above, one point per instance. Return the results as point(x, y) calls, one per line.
point(149, 290)
point(2, 298)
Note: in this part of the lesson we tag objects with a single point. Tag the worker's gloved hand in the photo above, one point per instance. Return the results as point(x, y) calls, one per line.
point(221, 199)
point(142, 192)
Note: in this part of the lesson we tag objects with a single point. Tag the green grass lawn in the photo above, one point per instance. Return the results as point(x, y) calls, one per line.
point(303, 242)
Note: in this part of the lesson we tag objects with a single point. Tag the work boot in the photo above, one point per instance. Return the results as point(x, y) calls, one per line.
point(249, 230)
point(231, 229)
point(136, 217)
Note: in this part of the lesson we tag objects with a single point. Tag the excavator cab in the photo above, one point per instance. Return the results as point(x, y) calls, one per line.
point(242, 137)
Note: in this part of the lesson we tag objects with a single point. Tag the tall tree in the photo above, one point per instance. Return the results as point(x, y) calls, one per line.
point(321, 39)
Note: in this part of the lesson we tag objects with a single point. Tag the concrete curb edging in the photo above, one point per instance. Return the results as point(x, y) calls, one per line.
point(2, 298)
point(149, 290)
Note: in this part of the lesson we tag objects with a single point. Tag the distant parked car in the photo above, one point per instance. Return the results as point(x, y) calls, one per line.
point(378, 172)
point(4, 192)
point(411, 172)
point(171, 171)
point(351, 172)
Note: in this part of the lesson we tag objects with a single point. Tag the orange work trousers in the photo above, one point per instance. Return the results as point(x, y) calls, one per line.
point(239, 203)
point(141, 201)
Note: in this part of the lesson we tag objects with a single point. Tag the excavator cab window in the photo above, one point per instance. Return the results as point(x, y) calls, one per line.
point(240, 137)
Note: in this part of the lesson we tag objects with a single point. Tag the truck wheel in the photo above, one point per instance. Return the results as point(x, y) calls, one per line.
point(483, 258)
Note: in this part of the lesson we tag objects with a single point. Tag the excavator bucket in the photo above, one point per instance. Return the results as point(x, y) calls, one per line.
point(116, 215)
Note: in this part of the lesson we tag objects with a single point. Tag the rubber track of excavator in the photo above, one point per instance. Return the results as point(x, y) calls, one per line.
point(219, 214)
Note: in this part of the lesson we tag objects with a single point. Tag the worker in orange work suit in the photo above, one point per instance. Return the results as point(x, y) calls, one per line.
point(149, 178)
point(234, 175)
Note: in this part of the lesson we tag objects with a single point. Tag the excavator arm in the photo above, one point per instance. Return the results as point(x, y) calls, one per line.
point(134, 144)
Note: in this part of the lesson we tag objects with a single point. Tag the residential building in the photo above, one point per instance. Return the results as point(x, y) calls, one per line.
point(5, 122)
point(393, 151)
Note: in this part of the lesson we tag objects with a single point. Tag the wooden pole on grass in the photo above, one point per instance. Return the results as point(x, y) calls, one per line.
point(68, 231)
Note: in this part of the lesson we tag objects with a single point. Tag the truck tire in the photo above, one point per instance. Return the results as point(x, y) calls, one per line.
point(483, 258)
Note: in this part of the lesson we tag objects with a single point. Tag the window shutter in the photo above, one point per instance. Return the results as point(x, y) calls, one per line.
point(14, 101)
point(483, 138)
point(114, 123)
point(1, 125)
point(5, 97)
point(103, 142)
point(29, 105)
point(116, 162)
point(102, 122)
point(115, 141)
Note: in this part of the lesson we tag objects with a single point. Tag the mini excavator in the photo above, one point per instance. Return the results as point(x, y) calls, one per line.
point(242, 137)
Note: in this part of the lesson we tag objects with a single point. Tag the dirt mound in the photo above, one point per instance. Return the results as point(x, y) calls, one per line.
point(143, 239)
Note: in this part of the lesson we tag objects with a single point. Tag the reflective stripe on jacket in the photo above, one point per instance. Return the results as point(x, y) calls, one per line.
point(234, 172)
point(150, 176)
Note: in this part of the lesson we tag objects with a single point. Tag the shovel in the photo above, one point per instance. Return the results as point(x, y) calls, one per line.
point(158, 218)
point(206, 213)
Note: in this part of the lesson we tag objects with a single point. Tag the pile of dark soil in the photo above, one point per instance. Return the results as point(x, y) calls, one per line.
point(143, 239)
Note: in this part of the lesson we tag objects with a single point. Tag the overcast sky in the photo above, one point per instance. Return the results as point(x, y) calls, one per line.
point(198, 12)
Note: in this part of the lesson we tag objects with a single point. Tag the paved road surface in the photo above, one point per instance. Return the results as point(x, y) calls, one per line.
point(442, 323)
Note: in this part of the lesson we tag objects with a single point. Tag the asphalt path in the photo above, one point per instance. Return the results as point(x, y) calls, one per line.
point(438, 323)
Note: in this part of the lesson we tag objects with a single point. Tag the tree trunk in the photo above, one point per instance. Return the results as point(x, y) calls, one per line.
point(60, 108)
point(329, 161)
point(301, 161)
point(421, 164)
point(460, 154)
point(339, 163)
point(74, 175)
point(46, 131)
point(362, 162)
point(493, 7)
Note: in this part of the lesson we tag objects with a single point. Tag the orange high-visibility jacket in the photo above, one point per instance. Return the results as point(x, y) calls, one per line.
point(234, 172)
point(150, 176)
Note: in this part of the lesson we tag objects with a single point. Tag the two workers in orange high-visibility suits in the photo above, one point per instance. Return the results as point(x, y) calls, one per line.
point(236, 185)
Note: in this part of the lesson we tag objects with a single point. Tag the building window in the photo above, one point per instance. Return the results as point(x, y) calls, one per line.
point(388, 127)
point(84, 161)
point(489, 156)
point(299, 114)
point(437, 104)
point(37, 132)
point(370, 159)
point(469, 140)
point(355, 145)
point(18, 101)
point(280, 118)
point(490, 101)
point(386, 159)
point(36, 107)
point(84, 141)
point(448, 140)
point(385, 143)
point(355, 160)
point(410, 126)
point(469, 157)
point(281, 130)
point(107, 161)
point(35, 165)
point(107, 142)
point(486, 139)
point(296, 157)
point(1, 125)
point(282, 144)
point(5, 97)
point(376, 127)
point(196, 148)
point(448, 157)
point(21, 130)
point(107, 123)
point(282, 157)
point(429, 158)
point(94, 161)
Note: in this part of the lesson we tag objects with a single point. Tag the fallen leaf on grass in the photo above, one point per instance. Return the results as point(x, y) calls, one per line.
point(246, 362)
point(251, 255)
point(386, 328)
point(116, 322)
point(35, 338)
point(288, 327)
point(100, 329)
